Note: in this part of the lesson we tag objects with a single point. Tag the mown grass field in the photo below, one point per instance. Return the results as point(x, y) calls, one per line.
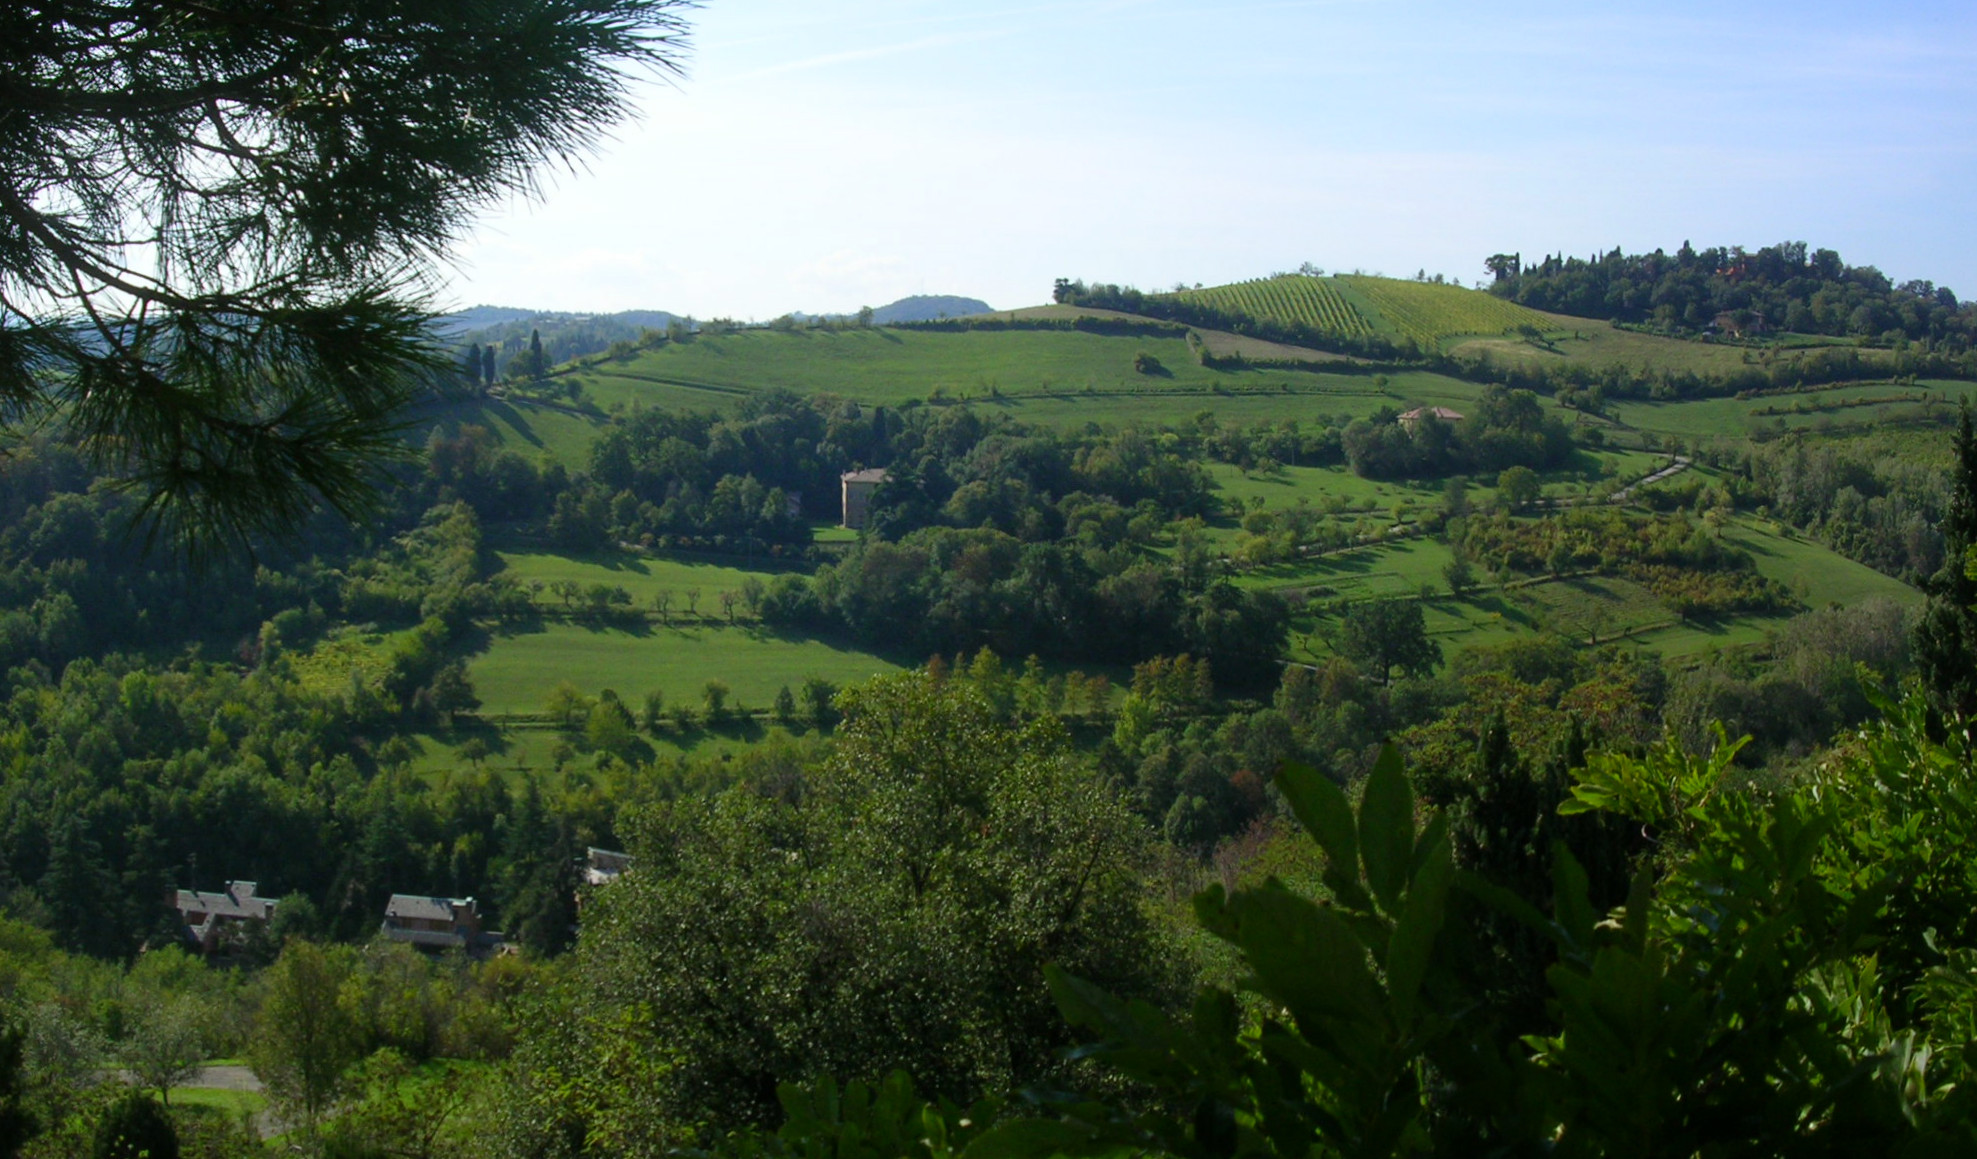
point(1591, 342)
point(643, 578)
point(521, 665)
point(1814, 573)
point(1820, 411)
point(1401, 568)
point(890, 366)
point(532, 429)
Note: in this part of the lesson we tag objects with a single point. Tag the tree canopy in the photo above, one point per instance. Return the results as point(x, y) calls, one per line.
point(215, 220)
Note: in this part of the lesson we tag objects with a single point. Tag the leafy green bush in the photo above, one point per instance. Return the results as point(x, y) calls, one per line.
point(1790, 975)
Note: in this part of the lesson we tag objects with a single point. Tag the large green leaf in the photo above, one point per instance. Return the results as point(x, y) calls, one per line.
point(1386, 828)
point(1038, 1139)
point(1322, 809)
point(1413, 941)
point(1305, 958)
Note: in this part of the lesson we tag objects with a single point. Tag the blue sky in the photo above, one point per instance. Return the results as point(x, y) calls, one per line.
point(829, 154)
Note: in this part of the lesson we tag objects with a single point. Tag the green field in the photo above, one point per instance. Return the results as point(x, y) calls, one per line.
point(535, 430)
point(642, 577)
point(1402, 568)
point(1815, 574)
point(520, 667)
point(1595, 343)
point(231, 1103)
point(893, 365)
point(1811, 410)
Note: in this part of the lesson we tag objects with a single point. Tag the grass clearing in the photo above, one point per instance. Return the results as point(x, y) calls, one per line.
point(643, 577)
point(1816, 574)
point(1402, 568)
point(530, 429)
point(219, 1100)
point(522, 664)
point(1596, 343)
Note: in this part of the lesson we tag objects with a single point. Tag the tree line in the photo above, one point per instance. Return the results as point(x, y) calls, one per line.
point(1779, 288)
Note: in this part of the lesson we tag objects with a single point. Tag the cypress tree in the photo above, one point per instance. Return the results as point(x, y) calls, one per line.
point(1946, 636)
point(538, 365)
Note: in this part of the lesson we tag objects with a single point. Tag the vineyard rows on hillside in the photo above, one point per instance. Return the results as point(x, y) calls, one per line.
point(1428, 312)
point(1290, 298)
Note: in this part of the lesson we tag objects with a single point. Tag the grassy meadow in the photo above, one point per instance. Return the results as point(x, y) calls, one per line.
point(521, 665)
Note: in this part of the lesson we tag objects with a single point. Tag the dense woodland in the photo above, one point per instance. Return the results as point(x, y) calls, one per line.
point(1787, 287)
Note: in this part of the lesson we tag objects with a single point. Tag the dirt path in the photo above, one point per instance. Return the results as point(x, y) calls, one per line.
point(224, 1078)
point(1680, 465)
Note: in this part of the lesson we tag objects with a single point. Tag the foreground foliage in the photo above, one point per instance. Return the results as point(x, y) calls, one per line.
point(1789, 974)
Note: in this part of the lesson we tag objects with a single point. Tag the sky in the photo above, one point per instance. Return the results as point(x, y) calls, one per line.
point(827, 154)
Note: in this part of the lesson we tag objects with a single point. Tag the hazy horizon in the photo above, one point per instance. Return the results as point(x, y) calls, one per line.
point(822, 158)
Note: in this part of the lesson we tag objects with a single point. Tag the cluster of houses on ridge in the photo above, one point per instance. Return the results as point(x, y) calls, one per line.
point(215, 923)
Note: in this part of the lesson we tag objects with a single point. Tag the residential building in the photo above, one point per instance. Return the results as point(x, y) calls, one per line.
point(858, 488)
point(1413, 417)
point(216, 921)
point(602, 866)
point(437, 923)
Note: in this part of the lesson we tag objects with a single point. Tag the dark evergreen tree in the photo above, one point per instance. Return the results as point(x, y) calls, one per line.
point(538, 362)
point(17, 1126)
point(487, 364)
point(135, 1127)
point(1946, 636)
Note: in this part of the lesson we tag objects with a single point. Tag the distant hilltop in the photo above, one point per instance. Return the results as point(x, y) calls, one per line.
point(463, 323)
point(565, 335)
point(928, 308)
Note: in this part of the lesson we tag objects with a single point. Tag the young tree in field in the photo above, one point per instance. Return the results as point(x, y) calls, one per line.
point(217, 220)
point(1460, 574)
point(1382, 635)
point(1517, 488)
point(662, 603)
point(653, 718)
point(818, 694)
point(729, 599)
point(166, 1042)
point(693, 601)
point(305, 1036)
point(714, 699)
